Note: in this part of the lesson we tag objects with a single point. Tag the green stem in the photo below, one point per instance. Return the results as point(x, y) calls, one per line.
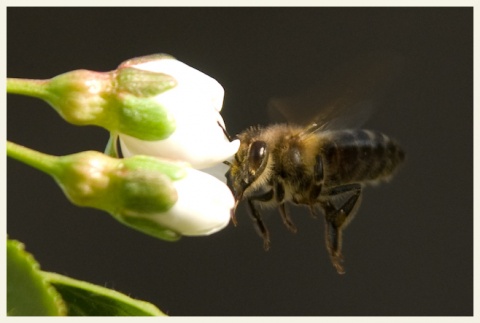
point(34, 88)
point(111, 149)
point(43, 162)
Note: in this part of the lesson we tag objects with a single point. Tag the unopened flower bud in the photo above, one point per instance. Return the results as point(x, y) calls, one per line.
point(160, 198)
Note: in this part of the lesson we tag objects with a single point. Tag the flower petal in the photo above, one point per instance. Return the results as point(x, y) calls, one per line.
point(189, 80)
point(203, 206)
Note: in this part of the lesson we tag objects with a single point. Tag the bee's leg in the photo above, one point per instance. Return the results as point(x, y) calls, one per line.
point(279, 197)
point(336, 219)
point(286, 218)
point(257, 218)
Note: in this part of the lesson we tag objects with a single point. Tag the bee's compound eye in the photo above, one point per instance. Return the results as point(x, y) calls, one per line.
point(256, 155)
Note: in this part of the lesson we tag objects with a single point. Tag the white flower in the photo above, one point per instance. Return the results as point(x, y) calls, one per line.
point(203, 206)
point(195, 104)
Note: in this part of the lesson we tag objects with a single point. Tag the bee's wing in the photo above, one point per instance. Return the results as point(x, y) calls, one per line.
point(344, 100)
point(336, 115)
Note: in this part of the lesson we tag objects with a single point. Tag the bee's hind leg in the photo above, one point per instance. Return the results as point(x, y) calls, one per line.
point(337, 218)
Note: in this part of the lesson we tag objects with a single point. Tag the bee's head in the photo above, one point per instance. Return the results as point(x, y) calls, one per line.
point(249, 163)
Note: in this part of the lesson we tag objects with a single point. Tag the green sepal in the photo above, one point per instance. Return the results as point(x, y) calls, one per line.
point(143, 118)
point(147, 226)
point(145, 186)
point(143, 83)
point(174, 171)
point(142, 192)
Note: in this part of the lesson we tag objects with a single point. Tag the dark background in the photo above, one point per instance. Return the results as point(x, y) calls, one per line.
point(409, 250)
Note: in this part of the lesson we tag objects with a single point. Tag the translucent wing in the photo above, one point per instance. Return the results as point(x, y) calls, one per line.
point(344, 100)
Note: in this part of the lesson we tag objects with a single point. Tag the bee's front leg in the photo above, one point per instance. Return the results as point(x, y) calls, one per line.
point(257, 218)
point(336, 219)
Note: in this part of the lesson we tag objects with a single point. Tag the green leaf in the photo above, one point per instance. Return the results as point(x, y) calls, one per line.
point(32, 292)
point(85, 299)
point(28, 293)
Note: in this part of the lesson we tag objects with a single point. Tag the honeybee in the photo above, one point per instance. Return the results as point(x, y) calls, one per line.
point(323, 164)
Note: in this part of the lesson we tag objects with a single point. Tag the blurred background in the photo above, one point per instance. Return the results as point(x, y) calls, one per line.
point(408, 252)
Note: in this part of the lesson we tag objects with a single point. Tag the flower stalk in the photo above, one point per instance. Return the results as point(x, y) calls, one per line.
point(28, 87)
point(43, 162)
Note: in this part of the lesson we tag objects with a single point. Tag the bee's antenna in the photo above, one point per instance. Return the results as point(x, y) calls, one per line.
point(224, 131)
point(227, 163)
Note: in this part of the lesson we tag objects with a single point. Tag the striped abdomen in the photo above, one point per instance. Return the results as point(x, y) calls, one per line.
point(355, 156)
